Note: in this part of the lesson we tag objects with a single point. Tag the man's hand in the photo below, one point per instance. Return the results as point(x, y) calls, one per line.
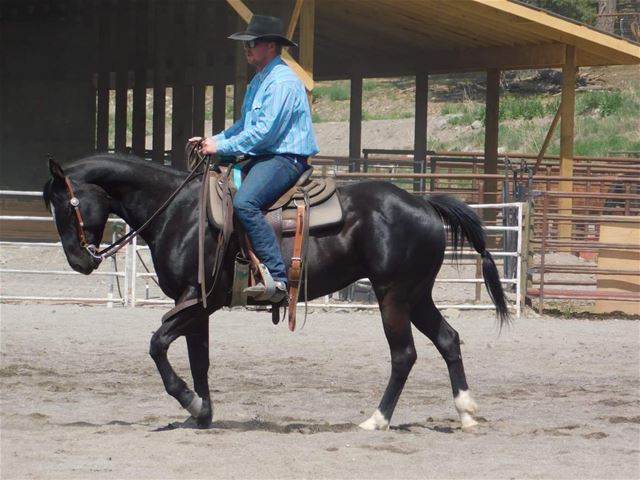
point(207, 146)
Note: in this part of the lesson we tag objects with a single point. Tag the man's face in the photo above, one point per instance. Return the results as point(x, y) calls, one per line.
point(261, 53)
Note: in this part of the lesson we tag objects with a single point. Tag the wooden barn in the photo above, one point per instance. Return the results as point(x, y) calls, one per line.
point(65, 63)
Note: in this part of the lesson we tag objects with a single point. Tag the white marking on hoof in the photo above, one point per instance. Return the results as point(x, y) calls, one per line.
point(375, 422)
point(466, 407)
point(195, 407)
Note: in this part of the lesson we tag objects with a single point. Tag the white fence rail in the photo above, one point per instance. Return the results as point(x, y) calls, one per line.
point(133, 277)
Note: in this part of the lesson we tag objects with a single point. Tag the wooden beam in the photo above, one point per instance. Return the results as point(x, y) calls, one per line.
point(492, 110)
point(241, 9)
point(246, 15)
point(442, 61)
point(294, 18)
point(355, 122)
point(547, 139)
point(420, 130)
point(500, 58)
point(307, 37)
point(569, 71)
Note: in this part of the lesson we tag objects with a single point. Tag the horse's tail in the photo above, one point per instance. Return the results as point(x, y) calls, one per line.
point(464, 222)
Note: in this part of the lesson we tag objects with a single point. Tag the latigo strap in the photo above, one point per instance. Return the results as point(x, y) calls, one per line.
point(295, 271)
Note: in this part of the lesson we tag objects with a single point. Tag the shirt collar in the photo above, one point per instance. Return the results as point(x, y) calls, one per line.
point(277, 60)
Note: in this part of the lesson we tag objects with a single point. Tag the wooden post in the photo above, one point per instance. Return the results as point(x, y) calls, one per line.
point(420, 130)
point(123, 11)
point(565, 204)
point(355, 122)
point(218, 41)
point(139, 115)
point(491, 140)
point(219, 107)
point(182, 93)
point(200, 17)
point(159, 80)
point(104, 32)
point(240, 84)
point(307, 36)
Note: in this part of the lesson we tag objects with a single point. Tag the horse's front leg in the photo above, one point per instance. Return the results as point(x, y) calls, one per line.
point(198, 347)
point(186, 322)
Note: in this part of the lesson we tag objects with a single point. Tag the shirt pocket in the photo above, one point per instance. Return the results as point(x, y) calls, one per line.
point(256, 109)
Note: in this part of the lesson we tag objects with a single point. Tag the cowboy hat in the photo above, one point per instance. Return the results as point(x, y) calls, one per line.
point(264, 27)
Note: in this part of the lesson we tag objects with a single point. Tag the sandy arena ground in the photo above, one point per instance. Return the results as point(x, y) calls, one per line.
point(81, 398)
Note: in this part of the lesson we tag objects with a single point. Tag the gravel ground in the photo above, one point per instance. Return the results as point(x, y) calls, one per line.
point(81, 398)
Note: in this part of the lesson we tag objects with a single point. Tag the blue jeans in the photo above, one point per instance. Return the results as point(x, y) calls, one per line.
point(267, 177)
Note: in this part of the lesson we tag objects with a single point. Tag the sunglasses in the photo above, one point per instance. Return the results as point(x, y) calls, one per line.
point(251, 43)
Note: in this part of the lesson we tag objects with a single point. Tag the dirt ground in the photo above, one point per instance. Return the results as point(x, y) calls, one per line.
point(81, 398)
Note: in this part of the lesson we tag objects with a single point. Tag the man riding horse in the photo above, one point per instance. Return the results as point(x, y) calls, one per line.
point(276, 134)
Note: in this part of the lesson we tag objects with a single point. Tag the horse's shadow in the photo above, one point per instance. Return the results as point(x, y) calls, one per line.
point(256, 425)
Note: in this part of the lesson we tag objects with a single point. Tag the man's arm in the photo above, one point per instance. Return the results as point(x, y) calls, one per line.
point(231, 131)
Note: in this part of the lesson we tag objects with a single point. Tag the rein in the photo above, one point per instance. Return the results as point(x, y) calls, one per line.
point(111, 250)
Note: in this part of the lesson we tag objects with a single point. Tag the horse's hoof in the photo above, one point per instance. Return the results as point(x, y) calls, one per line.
point(471, 427)
point(204, 421)
point(375, 422)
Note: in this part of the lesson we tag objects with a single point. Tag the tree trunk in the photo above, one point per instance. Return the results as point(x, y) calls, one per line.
point(606, 22)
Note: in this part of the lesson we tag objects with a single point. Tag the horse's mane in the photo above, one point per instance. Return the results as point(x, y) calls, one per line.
point(95, 164)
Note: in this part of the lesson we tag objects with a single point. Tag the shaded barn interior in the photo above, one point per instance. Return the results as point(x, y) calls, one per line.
point(66, 63)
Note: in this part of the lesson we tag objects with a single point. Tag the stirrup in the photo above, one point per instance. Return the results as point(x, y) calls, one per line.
point(262, 291)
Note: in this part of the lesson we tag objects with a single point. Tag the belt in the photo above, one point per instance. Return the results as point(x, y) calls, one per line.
point(289, 156)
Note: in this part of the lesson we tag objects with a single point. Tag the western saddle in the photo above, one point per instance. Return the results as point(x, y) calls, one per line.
point(310, 205)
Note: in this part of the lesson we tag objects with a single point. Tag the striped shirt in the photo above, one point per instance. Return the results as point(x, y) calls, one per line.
point(275, 116)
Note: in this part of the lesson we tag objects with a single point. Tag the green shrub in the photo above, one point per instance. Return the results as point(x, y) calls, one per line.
point(516, 107)
point(466, 113)
point(335, 91)
point(604, 102)
point(368, 85)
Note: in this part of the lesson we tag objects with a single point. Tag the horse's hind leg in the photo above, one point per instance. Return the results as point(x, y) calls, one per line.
point(397, 328)
point(186, 322)
point(428, 319)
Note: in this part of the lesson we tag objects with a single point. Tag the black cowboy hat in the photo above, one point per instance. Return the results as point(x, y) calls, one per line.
point(264, 27)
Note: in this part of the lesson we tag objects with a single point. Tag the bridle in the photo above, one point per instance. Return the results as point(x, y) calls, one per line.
point(75, 203)
point(111, 250)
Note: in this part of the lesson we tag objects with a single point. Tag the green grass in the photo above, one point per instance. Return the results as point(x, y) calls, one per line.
point(386, 116)
point(337, 91)
point(467, 114)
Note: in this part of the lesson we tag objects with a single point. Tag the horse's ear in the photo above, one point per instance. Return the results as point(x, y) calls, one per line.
point(55, 169)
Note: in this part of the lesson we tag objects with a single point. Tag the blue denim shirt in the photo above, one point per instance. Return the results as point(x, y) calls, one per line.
point(276, 117)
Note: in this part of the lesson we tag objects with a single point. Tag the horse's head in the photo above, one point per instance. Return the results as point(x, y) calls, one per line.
point(80, 212)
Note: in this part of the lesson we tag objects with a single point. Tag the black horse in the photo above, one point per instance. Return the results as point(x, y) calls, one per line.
point(388, 235)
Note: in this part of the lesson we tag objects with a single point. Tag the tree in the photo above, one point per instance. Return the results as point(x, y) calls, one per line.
point(606, 23)
point(584, 11)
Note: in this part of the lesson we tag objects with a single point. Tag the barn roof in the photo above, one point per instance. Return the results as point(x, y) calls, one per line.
point(379, 37)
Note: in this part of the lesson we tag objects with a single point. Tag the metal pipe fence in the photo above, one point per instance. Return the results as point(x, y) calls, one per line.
point(579, 282)
point(132, 276)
